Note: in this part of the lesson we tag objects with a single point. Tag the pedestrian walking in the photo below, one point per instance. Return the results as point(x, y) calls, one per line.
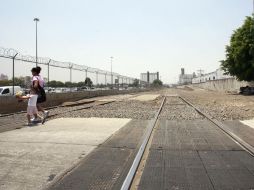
point(39, 84)
point(32, 110)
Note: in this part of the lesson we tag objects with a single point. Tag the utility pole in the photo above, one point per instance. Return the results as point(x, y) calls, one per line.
point(200, 72)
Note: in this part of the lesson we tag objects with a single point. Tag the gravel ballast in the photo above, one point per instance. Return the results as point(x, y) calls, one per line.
point(175, 109)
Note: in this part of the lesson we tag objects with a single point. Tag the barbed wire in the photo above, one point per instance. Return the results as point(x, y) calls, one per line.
point(14, 54)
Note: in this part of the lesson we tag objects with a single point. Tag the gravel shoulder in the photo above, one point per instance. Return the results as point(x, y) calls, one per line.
point(222, 106)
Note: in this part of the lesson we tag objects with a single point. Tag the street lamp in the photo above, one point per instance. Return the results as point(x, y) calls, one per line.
point(111, 60)
point(36, 21)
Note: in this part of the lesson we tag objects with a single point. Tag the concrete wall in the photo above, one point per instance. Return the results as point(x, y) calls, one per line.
point(9, 104)
point(223, 85)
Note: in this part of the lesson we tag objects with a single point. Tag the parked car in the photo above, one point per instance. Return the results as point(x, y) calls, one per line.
point(8, 90)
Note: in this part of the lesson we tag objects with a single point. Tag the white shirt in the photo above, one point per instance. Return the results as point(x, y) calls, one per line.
point(32, 100)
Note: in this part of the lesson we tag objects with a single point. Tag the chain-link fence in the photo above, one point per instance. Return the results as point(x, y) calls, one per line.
point(20, 64)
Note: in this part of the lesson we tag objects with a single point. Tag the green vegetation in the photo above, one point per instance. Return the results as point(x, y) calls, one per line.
point(20, 81)
point(88, 82)
point(239, 60)
point(135, 83)
point(157, 83)
point(17, 82)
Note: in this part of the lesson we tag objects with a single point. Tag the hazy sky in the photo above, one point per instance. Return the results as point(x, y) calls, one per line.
point(141, 35)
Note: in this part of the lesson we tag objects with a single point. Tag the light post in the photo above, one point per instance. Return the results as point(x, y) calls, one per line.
point(36, 21)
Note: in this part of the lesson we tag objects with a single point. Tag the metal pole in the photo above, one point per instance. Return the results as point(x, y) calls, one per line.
point(86, 73)
point(36, 20)
point(111, 60)
point(70, 77)
point(105, 79)
point(97, 78)
point(48, 73)
point(70, 74)
point(36, 48)
point(118, 79)
point(13, 82)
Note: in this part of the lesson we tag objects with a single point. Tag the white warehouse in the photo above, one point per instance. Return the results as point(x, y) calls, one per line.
point(216, 75)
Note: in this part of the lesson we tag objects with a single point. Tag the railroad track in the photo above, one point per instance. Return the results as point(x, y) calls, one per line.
point(135, 172)
point(134, 175)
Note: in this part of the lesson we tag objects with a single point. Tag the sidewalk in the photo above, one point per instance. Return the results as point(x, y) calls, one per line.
point(32, 157)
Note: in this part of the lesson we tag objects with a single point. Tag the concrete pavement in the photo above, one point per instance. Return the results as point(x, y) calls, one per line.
point(33, 157)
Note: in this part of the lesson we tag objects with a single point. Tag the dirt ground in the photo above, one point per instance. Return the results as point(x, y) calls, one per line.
point(222, 106)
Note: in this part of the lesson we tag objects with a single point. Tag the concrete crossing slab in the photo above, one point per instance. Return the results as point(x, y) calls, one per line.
point(146, 97)
point(195, 155)
point(242, 129)
point(107, 166)
point(32, 157)
point(191, 135)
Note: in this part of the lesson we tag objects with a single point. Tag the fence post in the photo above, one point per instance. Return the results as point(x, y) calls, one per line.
point(48, 73)
point(70, 77)
point(118, 80)
point(13, 75)
point(106, 79)
point(96, 78)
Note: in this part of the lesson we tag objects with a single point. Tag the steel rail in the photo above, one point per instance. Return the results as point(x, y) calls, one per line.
point(130, 176)
point(246, 146)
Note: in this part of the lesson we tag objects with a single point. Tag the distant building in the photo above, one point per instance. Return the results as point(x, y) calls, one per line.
point(3, 77)
point(149, 77)
point(216, 75)
point(185, 78)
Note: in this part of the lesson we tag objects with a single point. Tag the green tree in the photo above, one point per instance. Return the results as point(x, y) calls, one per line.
point(157, 83)
point(80, 84)
point(88, 82)
point(55, 84)
point(5, 82)
point(68, 84)
point(239, 60)
point(19, 81)
point(135, 83)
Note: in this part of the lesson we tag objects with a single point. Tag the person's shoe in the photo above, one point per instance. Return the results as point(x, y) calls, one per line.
point(29, 124)
point(35, 120)
point(43, 119)
point(46, 114)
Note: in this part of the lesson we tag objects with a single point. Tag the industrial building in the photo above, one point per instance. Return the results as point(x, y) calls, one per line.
point(185, 78)
point(149, 77)
point(216, 75)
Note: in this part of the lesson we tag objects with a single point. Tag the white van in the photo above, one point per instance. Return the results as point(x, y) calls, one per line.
point(8, 90)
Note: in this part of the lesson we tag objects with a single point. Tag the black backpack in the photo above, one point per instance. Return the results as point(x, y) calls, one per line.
point(41, 94)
